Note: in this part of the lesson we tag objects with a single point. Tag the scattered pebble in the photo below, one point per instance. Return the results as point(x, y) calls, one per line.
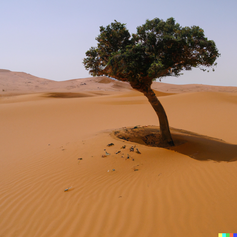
point(131, 148)
point(65, 190)
point(111, 170)
point(123, 147)
point(106, 153)
point(79, 158)
point(117, 152)
point(138, 152)
point(110, 144)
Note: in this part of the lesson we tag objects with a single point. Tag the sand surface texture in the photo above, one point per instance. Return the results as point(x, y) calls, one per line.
point(54, 138)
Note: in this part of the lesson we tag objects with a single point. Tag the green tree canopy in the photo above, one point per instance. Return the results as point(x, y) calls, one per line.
point(158, 49)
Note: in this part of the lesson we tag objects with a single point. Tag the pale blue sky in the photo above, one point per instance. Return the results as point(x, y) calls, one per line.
point(49, 38)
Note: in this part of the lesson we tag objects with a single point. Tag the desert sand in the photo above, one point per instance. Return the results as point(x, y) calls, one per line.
point(53, 136)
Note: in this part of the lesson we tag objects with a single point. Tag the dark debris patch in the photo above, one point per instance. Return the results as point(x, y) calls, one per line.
point(146, 135)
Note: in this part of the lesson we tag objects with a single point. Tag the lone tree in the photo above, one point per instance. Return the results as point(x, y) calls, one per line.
point(158, 49)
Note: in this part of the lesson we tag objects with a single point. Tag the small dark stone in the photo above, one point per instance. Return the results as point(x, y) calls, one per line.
point(138, 152)
point(131, 148)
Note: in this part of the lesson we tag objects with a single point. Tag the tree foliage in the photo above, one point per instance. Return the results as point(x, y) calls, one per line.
point(158, 49)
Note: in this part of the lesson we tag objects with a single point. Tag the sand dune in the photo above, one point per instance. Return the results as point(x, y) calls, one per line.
point(171, 88)
point(13, 83)
point(187, 190)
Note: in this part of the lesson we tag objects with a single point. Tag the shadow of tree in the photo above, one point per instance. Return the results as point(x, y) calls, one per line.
point(204, 148)
point(194, 145)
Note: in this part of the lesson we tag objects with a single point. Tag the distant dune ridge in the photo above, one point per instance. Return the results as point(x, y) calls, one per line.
point(59, 177)
point(20, 82)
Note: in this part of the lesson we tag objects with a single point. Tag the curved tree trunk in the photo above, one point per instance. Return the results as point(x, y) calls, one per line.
point(164, 125)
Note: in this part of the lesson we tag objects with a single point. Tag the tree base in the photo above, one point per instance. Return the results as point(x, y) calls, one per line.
point(196, 146)
point(145, 135)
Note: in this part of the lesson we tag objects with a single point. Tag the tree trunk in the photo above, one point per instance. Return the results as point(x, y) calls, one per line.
point(164, 125)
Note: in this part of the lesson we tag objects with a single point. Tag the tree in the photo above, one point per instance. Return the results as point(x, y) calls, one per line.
point(158, 49)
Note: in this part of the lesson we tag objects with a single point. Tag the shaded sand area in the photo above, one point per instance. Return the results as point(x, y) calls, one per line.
point(51, 141)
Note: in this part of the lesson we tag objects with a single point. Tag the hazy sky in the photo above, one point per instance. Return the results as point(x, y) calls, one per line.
point(49, 38)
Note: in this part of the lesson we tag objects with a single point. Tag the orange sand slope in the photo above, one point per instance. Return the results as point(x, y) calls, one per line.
point(159, 192)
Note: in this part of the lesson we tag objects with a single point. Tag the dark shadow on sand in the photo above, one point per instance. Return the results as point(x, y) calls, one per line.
point(196, 146)
point(66, 95)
